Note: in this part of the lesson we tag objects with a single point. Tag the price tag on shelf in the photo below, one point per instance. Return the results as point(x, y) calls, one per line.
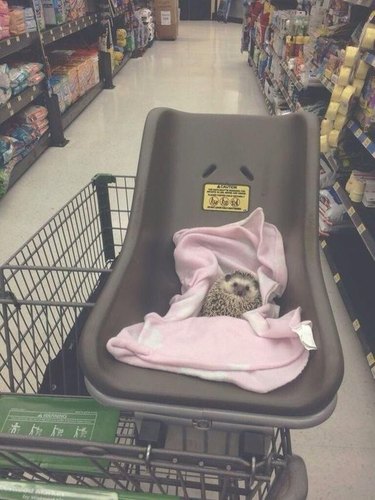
point(361, 228)
point(9, 105)
point(19, 98)
point(370, 358)
point(336, 277)
point(357, 133)
point(17, 38)
point(366, 142)
point(336, 185)
point(8, 42)
point(27, 35)
point(351, 211)
point(356, 325)
point(323, 244)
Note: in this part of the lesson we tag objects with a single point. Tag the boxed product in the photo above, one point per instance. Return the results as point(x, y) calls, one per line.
point(39, 14)
point(166, 19)
point(54, 12)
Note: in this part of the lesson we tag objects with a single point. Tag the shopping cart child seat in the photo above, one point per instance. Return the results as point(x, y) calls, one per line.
point(278, 158)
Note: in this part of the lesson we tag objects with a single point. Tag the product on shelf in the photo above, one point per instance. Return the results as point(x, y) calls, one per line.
point(74, 73)
point(361, 186)
point(18, 137)
point(39, 14)
point(17, 24)
point(75, 9)
point(54, 12)
point(4, 20)
point(332, 214)
point(5, 89)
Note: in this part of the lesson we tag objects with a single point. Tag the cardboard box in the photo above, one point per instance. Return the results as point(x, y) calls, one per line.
point(166, 19)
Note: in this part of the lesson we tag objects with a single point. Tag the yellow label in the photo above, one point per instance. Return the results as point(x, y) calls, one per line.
point(351, 211)
point(370, 358)
point(366, 142)
point(356, 325)
point(226, 197)
point(361, 228)
point(337, 277)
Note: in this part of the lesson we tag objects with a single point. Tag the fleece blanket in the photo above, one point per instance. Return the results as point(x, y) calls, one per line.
point(260, 351)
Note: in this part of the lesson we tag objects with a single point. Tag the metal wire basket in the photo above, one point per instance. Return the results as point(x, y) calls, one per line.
point(47, 290)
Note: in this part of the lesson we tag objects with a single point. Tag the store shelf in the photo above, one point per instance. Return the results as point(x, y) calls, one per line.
point(57, 32)
point(119, 11)
point(75, 109)
point(362, 137)
point(118, 68)
point(353, 275)
point(326, 82)
point(268, 104)
point(369, 58)
point(15, 43)
point(283, 90)
point(21, 167)
point(331, 161)
point(296, 82)
point(19, 101)
point(363, 218)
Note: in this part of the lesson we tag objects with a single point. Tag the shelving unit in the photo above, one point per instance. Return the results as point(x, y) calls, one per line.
point(269, 106)
point(350, 252)
point(118, 68)
point(18, 102)
point(62, 30)
point(43, 93)
point(283, 90)
point(14, 44)
point(362, 137)
point(21, 167)
point(363, 218)
point(76, 108)
point(293, 78)
point(349, 264)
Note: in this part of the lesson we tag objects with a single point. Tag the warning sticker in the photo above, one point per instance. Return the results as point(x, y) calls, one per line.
point(226, 197)
point(165, 18)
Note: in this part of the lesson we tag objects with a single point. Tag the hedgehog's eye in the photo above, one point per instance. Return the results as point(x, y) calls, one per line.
point(235, 284)
point(247, 287)
point(227, 277)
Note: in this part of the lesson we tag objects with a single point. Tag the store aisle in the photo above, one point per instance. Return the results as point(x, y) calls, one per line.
point(202, 72)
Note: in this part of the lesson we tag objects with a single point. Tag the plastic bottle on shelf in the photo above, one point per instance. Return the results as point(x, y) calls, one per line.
point(289, 47)
point(298, 45)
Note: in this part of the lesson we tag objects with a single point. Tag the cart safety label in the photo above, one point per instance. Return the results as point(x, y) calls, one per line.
point(226, 197)
point(76, 425)
point(165, 18)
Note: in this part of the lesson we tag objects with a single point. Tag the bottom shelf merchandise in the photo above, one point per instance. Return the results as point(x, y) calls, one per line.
point(18, 138)
point(354, 274)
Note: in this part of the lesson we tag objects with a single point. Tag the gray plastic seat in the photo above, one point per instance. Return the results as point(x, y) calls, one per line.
point(282, 156)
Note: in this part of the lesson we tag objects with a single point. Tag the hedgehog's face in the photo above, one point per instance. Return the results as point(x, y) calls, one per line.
point(242, 286)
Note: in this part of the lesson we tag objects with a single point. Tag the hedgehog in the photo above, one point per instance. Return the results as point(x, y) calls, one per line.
point(232, 295)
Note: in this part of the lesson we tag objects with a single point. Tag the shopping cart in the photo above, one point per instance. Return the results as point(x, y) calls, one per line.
point(51, 432)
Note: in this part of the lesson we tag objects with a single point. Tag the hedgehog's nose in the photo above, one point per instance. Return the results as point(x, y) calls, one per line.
point(240, 292)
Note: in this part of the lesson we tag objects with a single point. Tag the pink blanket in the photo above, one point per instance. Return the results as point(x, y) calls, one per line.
point(259, 352)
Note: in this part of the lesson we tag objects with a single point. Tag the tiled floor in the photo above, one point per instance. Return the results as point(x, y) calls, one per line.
point(203, 72)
